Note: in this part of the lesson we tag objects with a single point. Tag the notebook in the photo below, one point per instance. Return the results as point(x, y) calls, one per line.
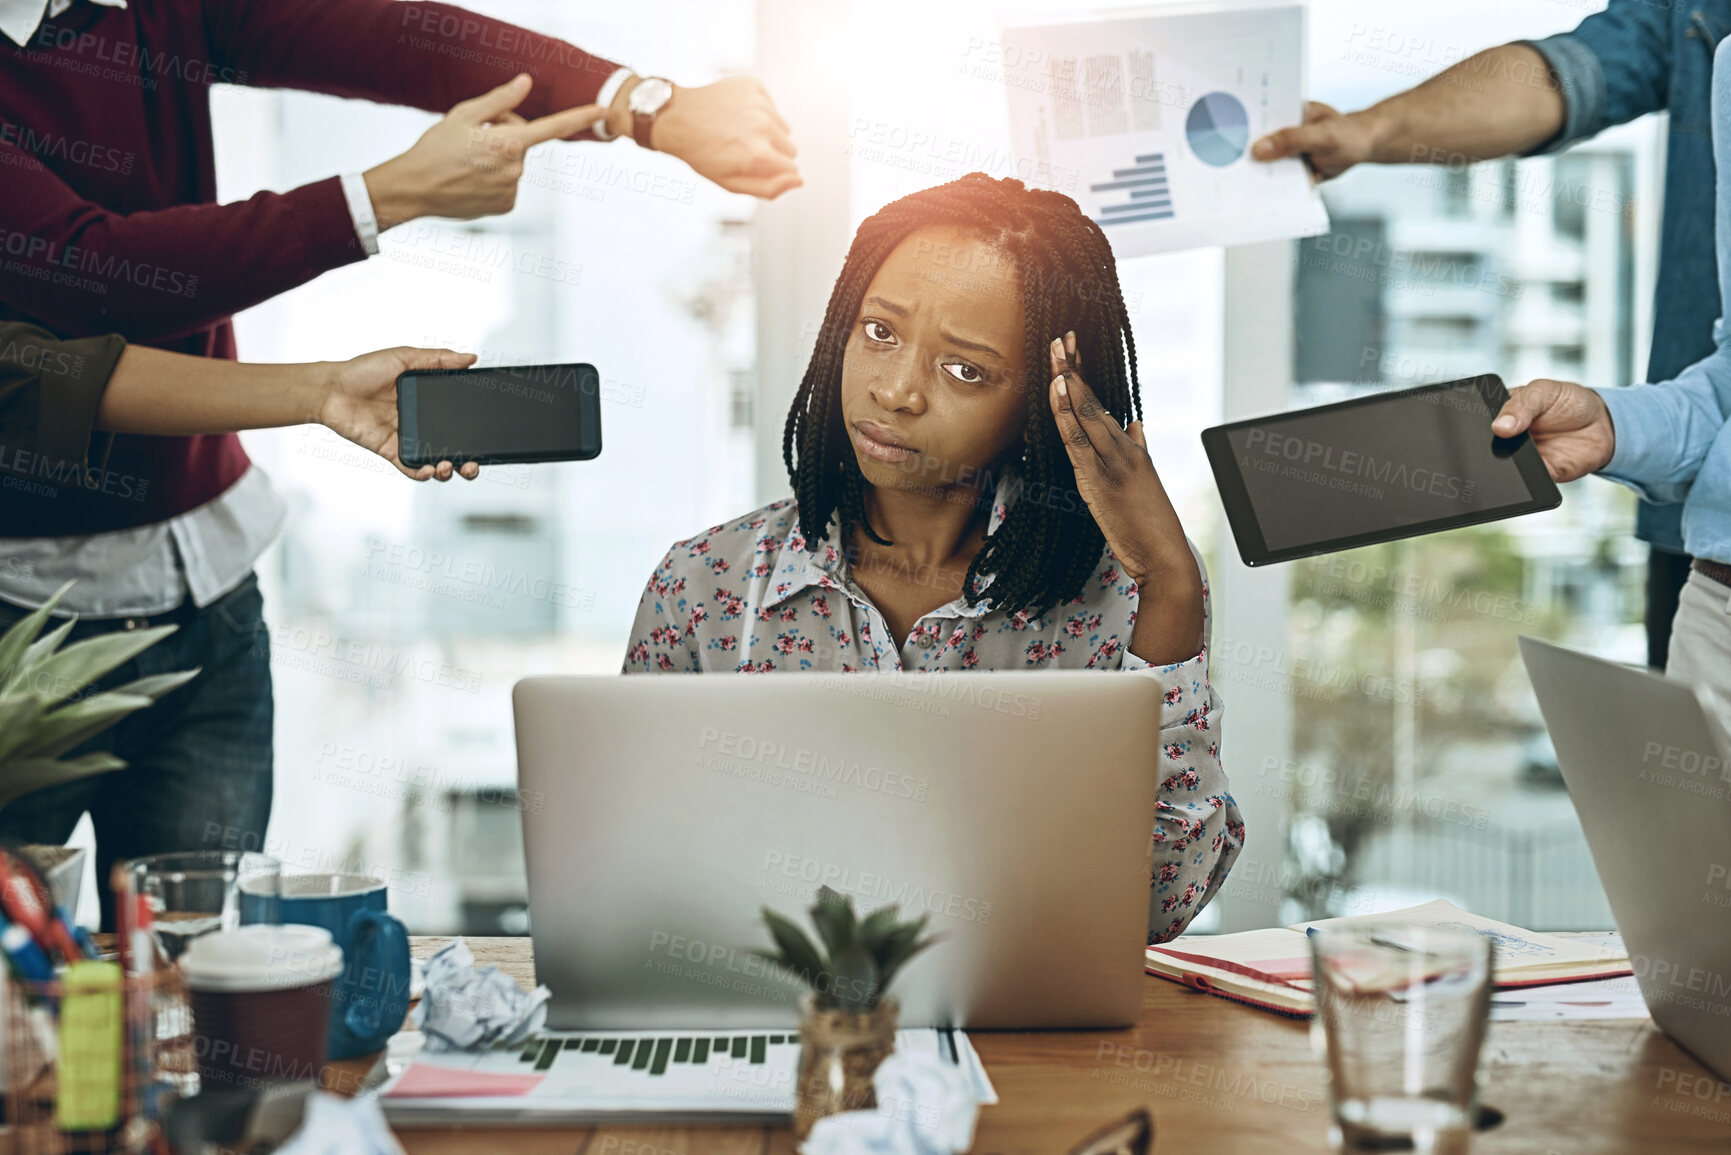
point(1271, 968)
point(685, 1077)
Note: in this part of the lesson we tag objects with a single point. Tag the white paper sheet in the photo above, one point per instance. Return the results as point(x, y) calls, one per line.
point(1618, 998)
point(1146, 122)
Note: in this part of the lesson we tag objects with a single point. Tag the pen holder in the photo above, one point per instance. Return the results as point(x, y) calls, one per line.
point(85, 1062)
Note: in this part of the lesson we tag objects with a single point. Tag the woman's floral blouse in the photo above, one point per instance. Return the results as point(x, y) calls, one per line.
point(749, 596)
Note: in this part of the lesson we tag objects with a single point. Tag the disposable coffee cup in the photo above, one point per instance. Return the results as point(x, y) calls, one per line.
point(261, 1002)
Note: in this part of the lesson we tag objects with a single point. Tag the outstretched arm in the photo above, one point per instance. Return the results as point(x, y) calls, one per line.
point(56, 394)
point(1499, 102)
point(1511, 99)
point(172, 395)
point(431, 55)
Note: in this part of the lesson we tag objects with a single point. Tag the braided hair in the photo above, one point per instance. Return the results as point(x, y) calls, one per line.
point(1048, 544)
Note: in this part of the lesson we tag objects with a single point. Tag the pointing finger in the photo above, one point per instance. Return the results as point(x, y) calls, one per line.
point(485, 107)
point(560, 125)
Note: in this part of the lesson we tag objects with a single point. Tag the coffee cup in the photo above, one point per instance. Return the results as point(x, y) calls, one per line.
point(372, 996)
point(261, 998)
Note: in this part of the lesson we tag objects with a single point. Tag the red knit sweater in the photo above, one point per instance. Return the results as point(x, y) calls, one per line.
point(108, 220)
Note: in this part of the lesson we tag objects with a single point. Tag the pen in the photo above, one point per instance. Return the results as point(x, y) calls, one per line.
point(27, 957)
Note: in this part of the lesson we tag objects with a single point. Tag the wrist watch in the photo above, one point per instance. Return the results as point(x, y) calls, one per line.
point(647, 101)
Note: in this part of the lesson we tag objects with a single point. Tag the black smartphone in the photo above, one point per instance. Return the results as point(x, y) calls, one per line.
point(504, 416)
point(1379, 468)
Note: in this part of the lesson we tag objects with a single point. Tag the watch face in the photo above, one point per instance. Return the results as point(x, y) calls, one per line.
point(648, 97)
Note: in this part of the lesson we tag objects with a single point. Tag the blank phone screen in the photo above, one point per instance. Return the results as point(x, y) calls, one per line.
point(522, 412)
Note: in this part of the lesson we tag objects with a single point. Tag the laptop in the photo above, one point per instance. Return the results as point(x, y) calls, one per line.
point(661, 815)
point(1648, 767)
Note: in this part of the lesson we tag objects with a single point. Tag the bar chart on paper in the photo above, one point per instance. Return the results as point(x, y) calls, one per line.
point(1147, 121)
point(599, 1076)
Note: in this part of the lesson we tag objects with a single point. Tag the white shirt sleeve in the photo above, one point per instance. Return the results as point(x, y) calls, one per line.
point(604, 98)
point(361, 211)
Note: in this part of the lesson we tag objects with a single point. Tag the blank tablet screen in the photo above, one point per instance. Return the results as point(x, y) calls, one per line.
point(1373, 469)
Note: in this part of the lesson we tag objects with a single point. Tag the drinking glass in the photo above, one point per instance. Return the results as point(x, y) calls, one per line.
point(195, 892)
point(190, 894)
point(1400, 1016)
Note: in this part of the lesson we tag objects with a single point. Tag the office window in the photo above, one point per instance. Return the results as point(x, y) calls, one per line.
point(1418, 765)
point(401, 614)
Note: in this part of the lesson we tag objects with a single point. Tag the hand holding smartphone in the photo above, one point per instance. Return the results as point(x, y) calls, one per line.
point(503, 416)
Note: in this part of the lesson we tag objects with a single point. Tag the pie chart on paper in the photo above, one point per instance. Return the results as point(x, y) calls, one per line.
point(1218, 129)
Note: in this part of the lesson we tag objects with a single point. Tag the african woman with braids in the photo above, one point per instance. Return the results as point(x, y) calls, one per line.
point(971, 490)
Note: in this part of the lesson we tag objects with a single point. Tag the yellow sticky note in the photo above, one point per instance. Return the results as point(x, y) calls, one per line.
point(91, 1047)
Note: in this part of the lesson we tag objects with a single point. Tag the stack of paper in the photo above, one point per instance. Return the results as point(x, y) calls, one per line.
point(1271, 968)
point(620, 1076)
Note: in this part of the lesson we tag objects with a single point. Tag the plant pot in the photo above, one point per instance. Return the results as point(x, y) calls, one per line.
point(839, 1053)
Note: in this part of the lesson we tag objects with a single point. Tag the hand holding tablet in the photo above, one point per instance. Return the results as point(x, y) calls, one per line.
point(1570, 425)
point(1374, 469)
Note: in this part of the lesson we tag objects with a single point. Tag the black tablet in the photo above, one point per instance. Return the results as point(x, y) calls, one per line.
point(1373, 469)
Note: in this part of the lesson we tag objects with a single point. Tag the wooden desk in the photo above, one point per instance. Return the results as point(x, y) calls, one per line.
point(1225, 1078)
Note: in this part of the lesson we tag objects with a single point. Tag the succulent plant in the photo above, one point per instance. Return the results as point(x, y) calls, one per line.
point(44, 711)
point(860, 956)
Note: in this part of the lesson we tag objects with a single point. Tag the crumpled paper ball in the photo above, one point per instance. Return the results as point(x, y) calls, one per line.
point(334, 1125)
point(463, 1008)
point(926, 1106)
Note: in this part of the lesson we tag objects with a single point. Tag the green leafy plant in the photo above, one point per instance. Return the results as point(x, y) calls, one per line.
point(859, 958)
point(44, 711)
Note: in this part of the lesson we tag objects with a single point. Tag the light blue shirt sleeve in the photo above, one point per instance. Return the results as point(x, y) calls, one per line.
point(1666, 432)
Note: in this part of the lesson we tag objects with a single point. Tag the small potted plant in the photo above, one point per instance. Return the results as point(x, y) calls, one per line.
point(47, 709)
point(847, 1022)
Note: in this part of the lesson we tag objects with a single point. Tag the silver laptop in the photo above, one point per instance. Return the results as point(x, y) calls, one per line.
point(662, 814)
point(1648, 767)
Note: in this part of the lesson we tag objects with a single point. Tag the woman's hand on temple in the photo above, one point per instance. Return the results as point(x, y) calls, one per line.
point(1116, 477)
point(360, 403)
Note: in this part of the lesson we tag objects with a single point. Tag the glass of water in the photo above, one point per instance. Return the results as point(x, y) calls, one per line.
point(1400, 1015)
point(195, 892)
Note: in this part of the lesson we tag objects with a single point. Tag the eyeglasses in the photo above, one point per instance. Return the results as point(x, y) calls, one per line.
point(1131, 1135)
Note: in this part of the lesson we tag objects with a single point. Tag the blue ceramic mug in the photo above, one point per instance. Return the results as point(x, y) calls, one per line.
point(370, 999)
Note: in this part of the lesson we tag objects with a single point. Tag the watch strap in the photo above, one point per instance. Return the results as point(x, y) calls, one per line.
point(643, 122)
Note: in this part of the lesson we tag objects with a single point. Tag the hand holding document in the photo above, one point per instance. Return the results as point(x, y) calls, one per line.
point(1146, 121)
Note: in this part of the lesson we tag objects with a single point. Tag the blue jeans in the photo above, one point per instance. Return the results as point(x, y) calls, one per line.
point(198, 774)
